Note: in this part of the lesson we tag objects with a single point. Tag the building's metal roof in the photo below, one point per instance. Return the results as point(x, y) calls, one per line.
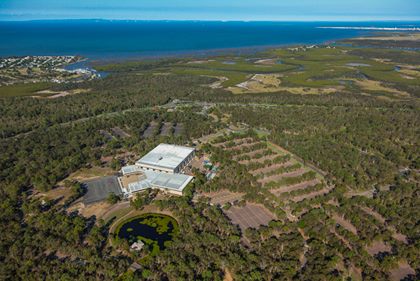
point(139, 186)
point(175, 182)
point(130, 169)
point(166, 156)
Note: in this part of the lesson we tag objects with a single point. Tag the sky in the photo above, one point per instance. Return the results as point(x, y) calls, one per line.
point(257, 10)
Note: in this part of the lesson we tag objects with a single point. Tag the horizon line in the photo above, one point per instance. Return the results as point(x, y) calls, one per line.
point(206, 20)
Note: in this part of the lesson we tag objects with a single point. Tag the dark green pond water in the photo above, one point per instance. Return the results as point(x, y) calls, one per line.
point(152, 229)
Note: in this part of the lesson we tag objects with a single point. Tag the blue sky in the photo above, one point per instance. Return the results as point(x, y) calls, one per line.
point(281, 10)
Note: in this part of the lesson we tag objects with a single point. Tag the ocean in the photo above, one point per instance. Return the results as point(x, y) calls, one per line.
point(113, 40)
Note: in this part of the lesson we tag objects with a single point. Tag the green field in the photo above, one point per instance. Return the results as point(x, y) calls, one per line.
point(21, 90)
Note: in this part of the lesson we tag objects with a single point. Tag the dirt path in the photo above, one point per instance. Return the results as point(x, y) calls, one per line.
point(344, 223)
point(377, 247)
point(365, 193)
point(228, 275)
point(374, 214)
point(299, 186)
point(302, 257)
point(402, 271)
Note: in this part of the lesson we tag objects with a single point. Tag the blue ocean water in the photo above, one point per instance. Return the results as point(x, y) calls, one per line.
point(99, 39)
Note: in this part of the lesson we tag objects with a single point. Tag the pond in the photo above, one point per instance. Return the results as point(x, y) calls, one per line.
point(154, 230)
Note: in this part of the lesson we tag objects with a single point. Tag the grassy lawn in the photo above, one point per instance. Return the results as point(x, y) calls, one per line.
point(21, 90)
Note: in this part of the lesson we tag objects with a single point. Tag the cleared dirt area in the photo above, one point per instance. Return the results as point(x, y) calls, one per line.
point(91, 173)
point(250, 216)
point(403, 270)
point(299, 186)
point(377, 247)
point(224, 196)
point(271, 168)
point(365, 193)
point(344, 223)
point(374, 214)
point(278, 177)
point(228, 275)
point(398, 236)
point(97, 210)
point(259, 83)
point(59, 194)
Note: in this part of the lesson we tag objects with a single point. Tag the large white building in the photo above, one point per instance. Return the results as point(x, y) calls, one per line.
point(161, 168)
point(167, 158)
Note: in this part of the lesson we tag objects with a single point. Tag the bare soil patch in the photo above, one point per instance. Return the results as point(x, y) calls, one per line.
point(377, 247)
point(228, 275)
point(90, 173)
point(374, 214)
point(365, 193)
point(403, 270)
point(344, 223)
point(97, 210)
point(60, 194)
point(252, 215)
point(398, 236)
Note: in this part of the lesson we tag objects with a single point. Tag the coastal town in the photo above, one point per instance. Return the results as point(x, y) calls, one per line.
point(48, 69)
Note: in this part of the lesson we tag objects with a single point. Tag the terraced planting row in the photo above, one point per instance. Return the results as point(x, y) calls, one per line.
point(276, 171)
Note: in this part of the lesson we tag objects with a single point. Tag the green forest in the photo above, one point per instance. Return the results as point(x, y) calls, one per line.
point(364, 136)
